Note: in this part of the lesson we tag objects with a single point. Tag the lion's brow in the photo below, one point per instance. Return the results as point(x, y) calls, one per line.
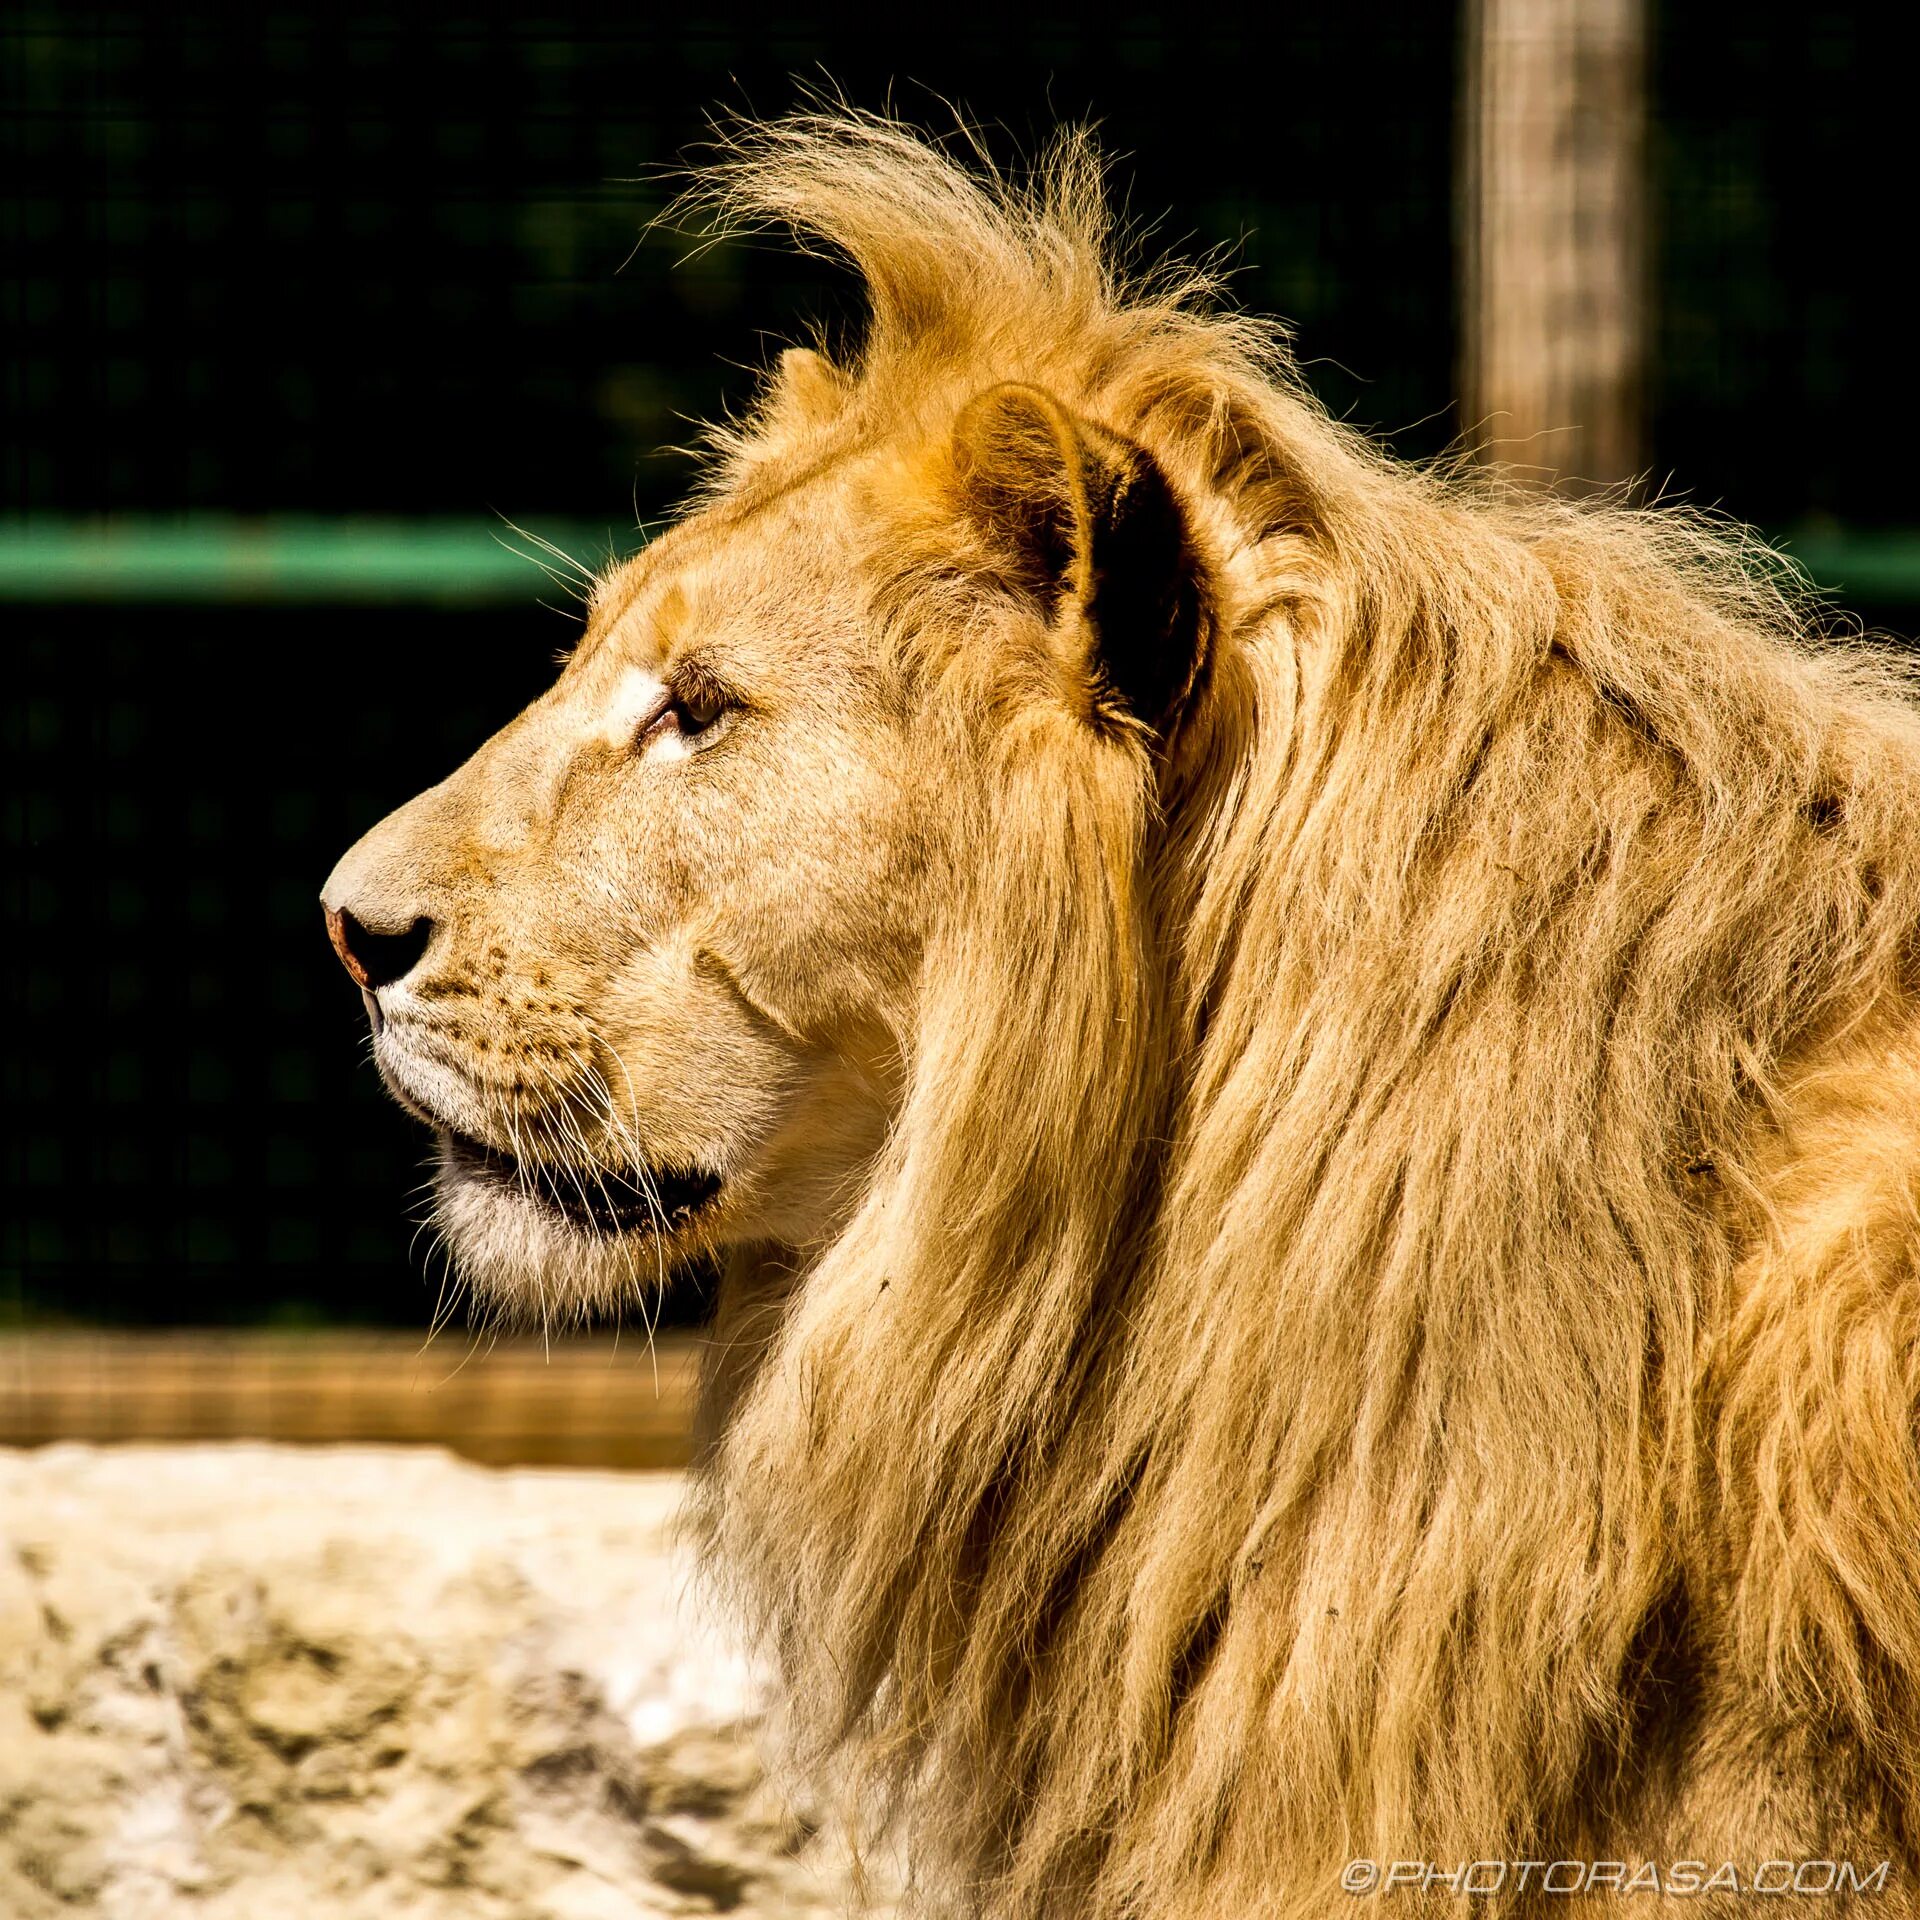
point(668, 619)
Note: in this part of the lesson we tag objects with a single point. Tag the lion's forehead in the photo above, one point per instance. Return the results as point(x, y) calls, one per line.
point(642, 608)
point(758, 559)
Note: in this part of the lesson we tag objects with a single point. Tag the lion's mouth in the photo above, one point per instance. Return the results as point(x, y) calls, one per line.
point(596, 1200)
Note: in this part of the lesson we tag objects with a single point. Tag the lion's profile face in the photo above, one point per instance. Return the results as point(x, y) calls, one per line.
point(650, 962)
point(641, 960)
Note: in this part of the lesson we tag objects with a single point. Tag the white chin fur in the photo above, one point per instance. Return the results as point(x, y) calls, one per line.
point(521, 1260)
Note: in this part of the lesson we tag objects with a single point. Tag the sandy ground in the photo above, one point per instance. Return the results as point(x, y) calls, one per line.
point(244, 1681)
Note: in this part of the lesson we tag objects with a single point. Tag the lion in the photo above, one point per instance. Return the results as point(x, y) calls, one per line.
point(1304, 1072)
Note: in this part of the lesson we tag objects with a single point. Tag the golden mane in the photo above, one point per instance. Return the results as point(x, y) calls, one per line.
point(1333, 1359)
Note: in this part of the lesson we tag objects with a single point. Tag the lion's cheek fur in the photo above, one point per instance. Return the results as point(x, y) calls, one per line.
point(706, 1068)
point(789, 1122)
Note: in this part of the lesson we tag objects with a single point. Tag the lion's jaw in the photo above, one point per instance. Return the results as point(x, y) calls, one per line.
point(661, 950)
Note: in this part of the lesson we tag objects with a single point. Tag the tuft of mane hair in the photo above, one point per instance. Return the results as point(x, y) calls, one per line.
point(1388, 1323)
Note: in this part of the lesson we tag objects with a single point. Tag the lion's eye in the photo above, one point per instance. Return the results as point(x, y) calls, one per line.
point(691, 705)
point(696, 709)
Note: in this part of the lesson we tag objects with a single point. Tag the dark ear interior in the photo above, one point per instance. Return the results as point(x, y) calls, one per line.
point(1087, 525)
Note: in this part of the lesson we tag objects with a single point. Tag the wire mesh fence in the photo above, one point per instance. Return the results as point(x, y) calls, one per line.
point(345, 260)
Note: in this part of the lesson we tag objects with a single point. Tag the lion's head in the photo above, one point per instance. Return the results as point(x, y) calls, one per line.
point(651, 963)
point(645, 961)
point(1229, 1007)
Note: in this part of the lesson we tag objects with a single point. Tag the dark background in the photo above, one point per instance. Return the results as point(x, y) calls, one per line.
point(363, 261)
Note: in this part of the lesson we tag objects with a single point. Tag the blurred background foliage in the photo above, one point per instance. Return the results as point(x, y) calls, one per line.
point(379, 277)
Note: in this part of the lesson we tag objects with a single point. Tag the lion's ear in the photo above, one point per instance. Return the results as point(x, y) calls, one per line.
point(1091, 530)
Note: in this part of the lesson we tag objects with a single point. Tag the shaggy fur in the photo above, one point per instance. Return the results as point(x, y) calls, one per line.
point(1308, 1073)
point(1386, 1322)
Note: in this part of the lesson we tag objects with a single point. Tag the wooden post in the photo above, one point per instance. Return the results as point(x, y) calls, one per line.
point(1553, 236)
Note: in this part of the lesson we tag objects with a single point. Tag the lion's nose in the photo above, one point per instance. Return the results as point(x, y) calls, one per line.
point(373, 958)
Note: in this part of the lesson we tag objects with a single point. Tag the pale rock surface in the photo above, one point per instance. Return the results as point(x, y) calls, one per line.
point(268, 1683)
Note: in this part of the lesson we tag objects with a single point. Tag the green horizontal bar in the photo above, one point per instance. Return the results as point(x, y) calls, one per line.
point(474, 562)
point(206, 559)
point(1859, 566)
